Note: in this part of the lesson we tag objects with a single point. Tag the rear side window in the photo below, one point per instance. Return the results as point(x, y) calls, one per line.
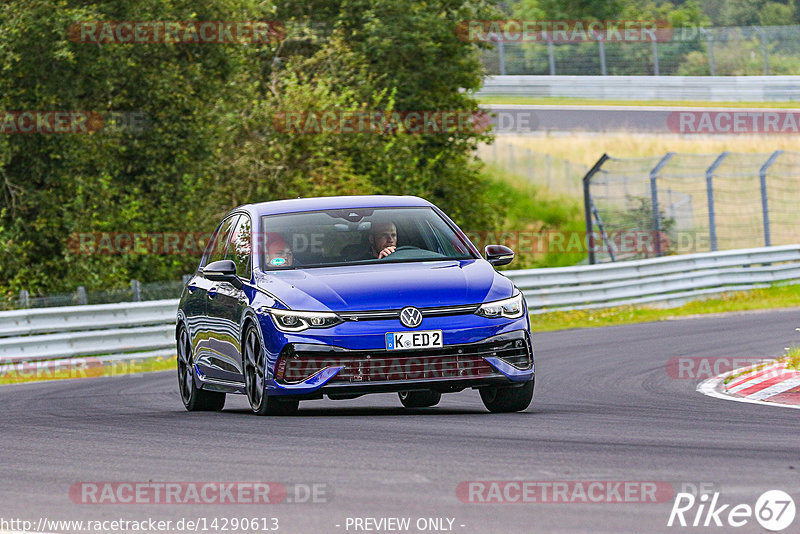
point(216, 248)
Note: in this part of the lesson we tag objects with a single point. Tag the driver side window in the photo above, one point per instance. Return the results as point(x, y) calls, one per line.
point(216, 248)
point(240, 246)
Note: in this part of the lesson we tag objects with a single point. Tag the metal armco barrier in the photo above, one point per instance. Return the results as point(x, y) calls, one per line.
point(75, 331)
point(702, 88)
point(669, 278)
point(131, 328)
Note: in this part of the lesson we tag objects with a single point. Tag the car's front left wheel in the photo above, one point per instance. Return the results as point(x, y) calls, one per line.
point(508, 398)
point(194, 398)
point(255, 372)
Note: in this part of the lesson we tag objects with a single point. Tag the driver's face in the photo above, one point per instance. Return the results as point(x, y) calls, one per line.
point(384, 235)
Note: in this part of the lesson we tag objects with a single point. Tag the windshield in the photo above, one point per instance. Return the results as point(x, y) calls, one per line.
point(358, 236)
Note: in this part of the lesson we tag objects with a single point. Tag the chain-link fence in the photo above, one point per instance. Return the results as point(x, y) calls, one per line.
point(734, 51)
point(136, 292)
point(556, 174)
point(684, 203)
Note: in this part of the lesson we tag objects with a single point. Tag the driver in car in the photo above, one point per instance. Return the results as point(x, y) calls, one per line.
point(382, 239)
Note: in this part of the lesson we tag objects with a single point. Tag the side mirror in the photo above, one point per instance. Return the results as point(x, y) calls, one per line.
point(498, 255)
point(222, 271)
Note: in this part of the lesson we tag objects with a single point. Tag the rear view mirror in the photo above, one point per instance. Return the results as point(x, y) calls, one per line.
point(498, 255)
point(222, 271)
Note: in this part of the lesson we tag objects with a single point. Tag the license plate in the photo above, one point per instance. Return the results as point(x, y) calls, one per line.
point(425, 339)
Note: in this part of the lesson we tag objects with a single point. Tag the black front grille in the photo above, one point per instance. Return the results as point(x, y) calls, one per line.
point(453, 361)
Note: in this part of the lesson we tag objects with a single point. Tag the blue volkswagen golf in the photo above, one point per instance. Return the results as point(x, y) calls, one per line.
point(344, 296)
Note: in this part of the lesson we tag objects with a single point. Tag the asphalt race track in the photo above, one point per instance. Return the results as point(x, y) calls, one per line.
point(604, 409)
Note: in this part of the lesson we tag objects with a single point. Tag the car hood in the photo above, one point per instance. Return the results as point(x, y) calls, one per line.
point(387, 286)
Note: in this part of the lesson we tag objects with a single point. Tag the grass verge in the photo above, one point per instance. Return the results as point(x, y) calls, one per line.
point(566, 101)
point(88, 367)
point(793, 357)
point(779, 296)
point(529, 211)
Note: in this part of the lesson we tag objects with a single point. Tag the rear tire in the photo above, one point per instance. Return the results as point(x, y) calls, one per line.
point(194, 399)
point(507, 399)
point(419, 399)
point(255, 372)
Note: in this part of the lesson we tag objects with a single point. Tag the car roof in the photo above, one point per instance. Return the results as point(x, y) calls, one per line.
point(296, 205)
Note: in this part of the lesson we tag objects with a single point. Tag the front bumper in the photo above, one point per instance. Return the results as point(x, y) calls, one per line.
point(313, 370)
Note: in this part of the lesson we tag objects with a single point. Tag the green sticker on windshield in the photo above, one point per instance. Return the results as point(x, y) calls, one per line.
point(277, 261)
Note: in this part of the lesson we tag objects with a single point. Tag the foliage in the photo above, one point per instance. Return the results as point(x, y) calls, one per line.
point(211, 142)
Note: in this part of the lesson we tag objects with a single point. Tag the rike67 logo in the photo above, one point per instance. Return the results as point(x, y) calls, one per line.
point(774, 510)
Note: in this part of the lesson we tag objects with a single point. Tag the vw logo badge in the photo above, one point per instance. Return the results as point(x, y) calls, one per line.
point(410, 317)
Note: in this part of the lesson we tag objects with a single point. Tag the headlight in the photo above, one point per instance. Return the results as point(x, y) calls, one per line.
point(508, 308)
point(296, 321)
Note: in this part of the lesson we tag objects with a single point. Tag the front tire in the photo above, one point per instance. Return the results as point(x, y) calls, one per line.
point(194, 399)
point(507, 399)
point(255, 365)
point(419, 399)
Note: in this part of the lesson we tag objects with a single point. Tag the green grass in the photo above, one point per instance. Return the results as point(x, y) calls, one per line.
point(531, 211)
point(781, 296)
point(793, 357)
point(565, 101)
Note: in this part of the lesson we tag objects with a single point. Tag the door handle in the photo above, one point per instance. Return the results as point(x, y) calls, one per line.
point(192, 288)
point(212, 293)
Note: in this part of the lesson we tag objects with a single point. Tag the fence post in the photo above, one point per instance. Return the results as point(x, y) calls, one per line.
point(654, 199)
point(551, 57)
point(655, 58)
point(587, 205)
point(81, 294)
point(712, 67)
point(24, 299)
point(762, 38)
point(501, 52)
point(602, 57)
point(712, 218)
point(136, 289)
point(762, 174)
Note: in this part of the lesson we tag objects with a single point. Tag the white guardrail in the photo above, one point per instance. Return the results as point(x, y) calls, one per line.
point(143, 329)
point(703, 88)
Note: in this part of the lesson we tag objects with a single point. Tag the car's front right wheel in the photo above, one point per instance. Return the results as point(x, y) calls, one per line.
point(255, 372)
point(508, 398)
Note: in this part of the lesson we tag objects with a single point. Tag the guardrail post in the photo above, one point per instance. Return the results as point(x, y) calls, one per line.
point(81, 295)
point(654, 199)
point(712, 218)
point(136, 290)
point(24, 299)
point(762, 174)
point(587, 204)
